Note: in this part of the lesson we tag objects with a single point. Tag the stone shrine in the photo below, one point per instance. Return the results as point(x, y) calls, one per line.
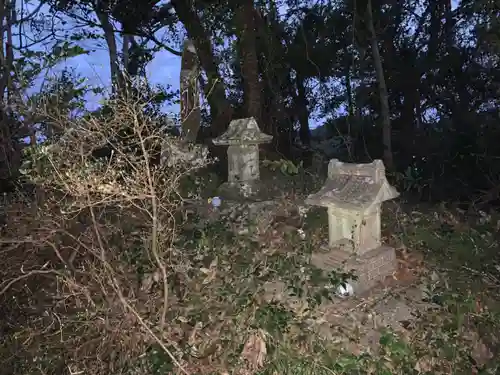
point(243, 138)
point(353, 195)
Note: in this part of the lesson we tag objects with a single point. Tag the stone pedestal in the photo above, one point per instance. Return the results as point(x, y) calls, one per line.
point(353, 194)
point(371, 268)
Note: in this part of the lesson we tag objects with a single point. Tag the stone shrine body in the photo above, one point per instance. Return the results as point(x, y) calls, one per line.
point(243, 138)
point(353, 195)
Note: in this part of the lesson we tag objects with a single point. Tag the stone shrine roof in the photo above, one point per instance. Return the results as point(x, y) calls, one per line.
point(243, 132)
point(349, 190)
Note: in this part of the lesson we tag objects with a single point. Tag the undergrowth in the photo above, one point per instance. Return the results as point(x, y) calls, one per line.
point(106, 270)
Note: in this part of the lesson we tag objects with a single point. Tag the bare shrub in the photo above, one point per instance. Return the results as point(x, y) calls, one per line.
point(101, 274)
point(86, 289)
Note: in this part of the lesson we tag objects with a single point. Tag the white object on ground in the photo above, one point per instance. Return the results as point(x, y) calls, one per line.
point(345, 290)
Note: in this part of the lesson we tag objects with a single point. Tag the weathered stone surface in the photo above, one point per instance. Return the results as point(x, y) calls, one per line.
point(243, 138)
point(371, 268)
point(243, 163)
point(353, 194)
point(243, 132)
point(363, 319)
point(174, 152)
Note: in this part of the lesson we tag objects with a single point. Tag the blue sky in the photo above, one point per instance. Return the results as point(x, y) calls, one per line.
point(163, 69)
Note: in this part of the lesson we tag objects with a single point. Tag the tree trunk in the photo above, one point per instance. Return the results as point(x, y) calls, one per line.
point(350, 106)
point(275, 80)
point(10, 152)
point(449, 25)
point(348, 88)
point(220, 108)
point(126, 77)
point(383, 94)
point(245, 23)
point(125, 50)
point(303, 112)
point(109, 35)
point(190, 93)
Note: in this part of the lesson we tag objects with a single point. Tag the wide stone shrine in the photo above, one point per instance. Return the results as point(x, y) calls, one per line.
point(243, 138)
point(353, 195)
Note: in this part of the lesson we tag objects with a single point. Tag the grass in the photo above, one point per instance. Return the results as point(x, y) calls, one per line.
point(217, 281)
point(109, 277)
point(216, 304)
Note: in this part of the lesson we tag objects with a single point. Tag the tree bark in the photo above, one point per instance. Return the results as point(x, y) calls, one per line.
point(348, 88)
point(126, 77)
point(109, 35)
point(303, 112)
point(245, 24)
point(350, 103)
point(275, 80)
point(190, 93)
point(382, 87)
point(10, 152)
point(126, 50)
point(220, 108)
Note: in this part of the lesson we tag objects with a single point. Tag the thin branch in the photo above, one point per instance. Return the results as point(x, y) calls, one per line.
point(139, 33)
point(25, 276)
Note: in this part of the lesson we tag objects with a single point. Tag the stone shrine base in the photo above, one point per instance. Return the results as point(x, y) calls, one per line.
point(240, 191)
point(371, 268)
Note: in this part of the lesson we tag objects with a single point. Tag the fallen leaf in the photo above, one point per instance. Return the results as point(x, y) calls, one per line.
point(424, 365)
point(210, 273)
point(255, 351)
point(481, 353)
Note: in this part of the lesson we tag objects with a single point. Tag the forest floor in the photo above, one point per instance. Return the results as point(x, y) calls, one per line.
point(243, 299)
point(438, 314)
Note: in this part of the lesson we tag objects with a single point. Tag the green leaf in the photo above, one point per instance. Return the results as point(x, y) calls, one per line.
point(385, 339)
